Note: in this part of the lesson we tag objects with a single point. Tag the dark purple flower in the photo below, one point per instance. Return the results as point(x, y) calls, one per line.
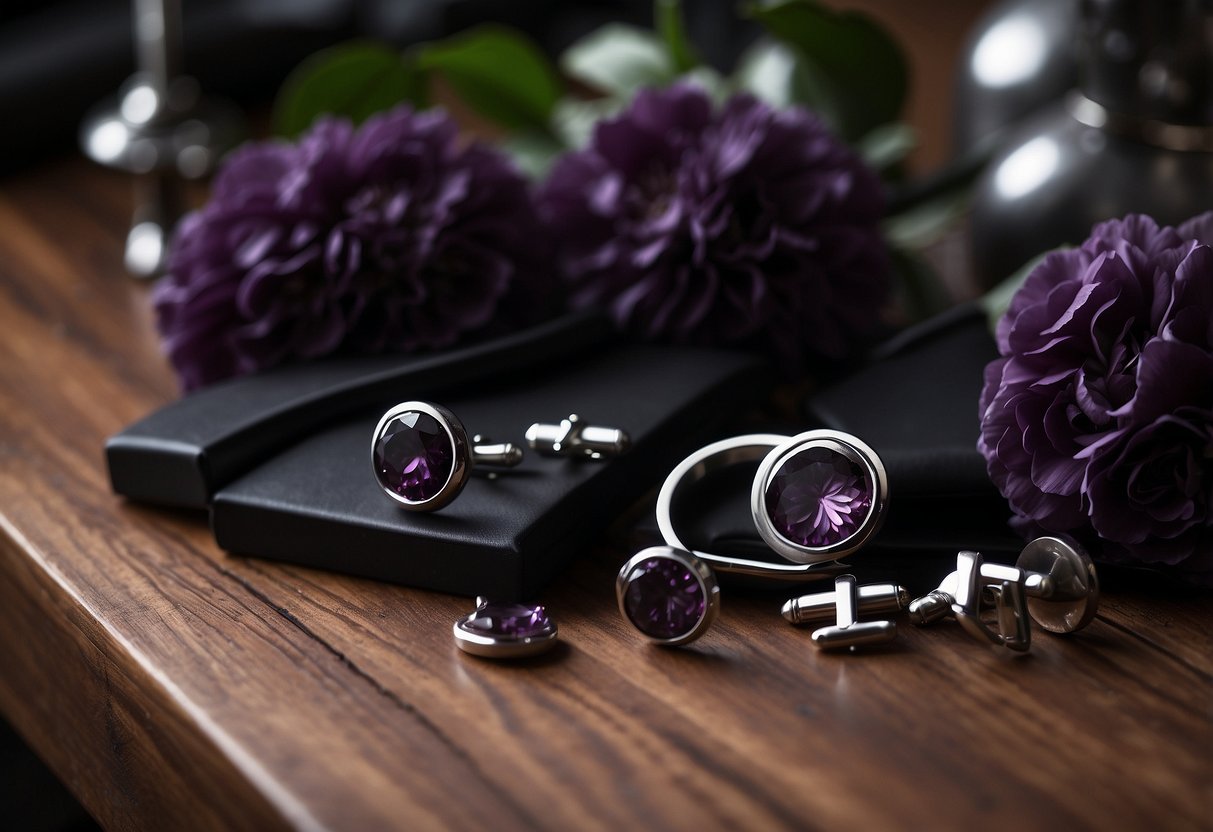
point(743, 226)
point(391, 237)
point(1098, 419)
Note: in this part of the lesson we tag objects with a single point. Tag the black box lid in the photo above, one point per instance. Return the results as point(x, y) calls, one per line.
point(317, 503)
point(182, 453)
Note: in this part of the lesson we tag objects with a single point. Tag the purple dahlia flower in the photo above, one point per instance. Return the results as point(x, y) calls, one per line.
point(1098, 419)
point(744, 226)
point(394, 236)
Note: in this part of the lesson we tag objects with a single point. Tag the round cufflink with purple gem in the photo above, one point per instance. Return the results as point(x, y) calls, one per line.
point(819, 496)
point(668, 594)
point(497, 630)
point(422, 455)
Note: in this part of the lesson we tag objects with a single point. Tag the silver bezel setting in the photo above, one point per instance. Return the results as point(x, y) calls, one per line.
point(850, 447)
point(693, 564)
point(500, 647)
point(461, 457)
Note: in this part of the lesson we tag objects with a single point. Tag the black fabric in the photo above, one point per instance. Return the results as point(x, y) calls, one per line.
point(317, 503)
point(181, 454)
point(917, 406)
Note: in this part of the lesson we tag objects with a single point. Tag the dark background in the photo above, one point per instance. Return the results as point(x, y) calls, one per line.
point(58, 59)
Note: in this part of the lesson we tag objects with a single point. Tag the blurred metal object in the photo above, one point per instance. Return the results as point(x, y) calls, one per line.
point(1136, 136)
point(160, 129)
point(1018, 59)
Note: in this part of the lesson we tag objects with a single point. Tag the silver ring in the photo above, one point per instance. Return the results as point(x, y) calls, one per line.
point(782, 460)
point(434, 459)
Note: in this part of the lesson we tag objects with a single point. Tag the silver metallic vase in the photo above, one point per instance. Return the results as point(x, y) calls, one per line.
point(1135, 135)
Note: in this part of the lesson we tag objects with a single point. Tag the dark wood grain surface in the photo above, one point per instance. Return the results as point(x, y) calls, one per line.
point(172, 686)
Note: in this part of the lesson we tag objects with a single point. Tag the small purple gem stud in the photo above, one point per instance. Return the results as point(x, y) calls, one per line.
point(668, 594)
point(819, 496)
point(504, 630)
point(422, 456)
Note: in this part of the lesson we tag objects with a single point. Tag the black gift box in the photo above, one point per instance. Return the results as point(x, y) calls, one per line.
point(181, 454)
point(317, 502)
point(283, 458)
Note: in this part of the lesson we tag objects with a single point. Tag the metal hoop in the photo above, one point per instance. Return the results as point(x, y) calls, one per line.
point(772, 449)
point(853, 449)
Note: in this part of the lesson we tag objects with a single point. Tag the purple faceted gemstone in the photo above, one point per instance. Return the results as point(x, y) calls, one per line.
point(509, 621)
point(819, 497)
point(414, 456)
point(664, 599)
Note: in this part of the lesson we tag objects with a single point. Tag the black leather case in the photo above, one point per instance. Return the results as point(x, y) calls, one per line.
point(181, 454)
point(317, 502)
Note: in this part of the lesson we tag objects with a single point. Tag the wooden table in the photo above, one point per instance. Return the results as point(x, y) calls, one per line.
point(172, 686)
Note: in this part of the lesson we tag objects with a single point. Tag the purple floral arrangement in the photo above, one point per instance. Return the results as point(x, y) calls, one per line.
point(395, 236)
point(1098, 419)
point(744, 226)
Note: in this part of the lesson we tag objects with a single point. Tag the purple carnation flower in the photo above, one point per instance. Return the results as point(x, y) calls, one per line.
point(1098, 419)
point(391, 237)
point(745, 226)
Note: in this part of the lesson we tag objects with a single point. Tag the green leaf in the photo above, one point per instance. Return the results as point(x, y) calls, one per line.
point(497, 72)
point(355, 80)
point(927, 221)
point(997, 301)
point(780, 76)
point(533, 152)
point(670, 25)
point(887, 145)
point(618, 60)
point(855, 61)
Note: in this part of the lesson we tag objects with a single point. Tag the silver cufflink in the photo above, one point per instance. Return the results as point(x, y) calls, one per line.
point(505, 631)
point(871, 599)
point(845, 604)
point(422, 455)
point(573, 437)
point(1053, 583)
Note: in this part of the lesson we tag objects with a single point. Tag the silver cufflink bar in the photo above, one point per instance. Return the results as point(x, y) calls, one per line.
point(847, 602)
point(572, 437)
